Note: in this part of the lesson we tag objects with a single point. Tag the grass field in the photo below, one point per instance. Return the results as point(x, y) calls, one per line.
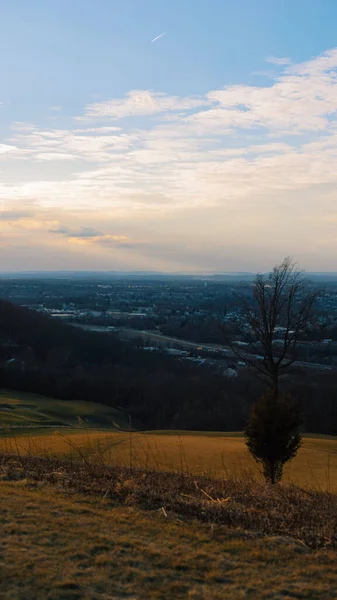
point(315, 465)
point(89, 529)
point(23, 410)
point(36, 420)
point(60, 547)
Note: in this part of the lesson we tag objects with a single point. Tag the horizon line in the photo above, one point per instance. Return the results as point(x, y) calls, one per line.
point(138, 271)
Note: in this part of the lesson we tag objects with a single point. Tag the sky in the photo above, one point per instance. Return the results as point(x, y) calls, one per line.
point(212, 148)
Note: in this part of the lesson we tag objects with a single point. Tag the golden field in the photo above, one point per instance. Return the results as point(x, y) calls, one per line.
point(75, 529)
point(218, 454)
point(198, 452)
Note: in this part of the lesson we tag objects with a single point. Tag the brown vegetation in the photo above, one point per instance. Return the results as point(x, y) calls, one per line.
point(307, 515)
point(56, 546)
point(216, 454)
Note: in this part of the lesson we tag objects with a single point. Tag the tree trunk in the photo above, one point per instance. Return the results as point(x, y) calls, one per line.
point(275, 385)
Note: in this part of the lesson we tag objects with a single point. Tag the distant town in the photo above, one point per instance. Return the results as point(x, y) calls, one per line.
point(180, 316)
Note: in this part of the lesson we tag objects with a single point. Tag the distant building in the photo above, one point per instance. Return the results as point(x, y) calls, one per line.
point(176, 352)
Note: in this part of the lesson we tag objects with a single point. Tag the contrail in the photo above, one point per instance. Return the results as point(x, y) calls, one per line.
point(158, 37)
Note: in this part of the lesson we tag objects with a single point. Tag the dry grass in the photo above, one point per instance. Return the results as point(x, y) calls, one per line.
point(56, 546)
point(307, 515)
point(315, 465)
point(74, 526)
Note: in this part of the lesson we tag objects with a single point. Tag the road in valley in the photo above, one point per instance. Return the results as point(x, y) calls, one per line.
point(163, 340)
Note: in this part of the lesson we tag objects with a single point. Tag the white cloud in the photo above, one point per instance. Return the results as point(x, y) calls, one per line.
point(93, 145)
point(238, 150)
point(22, 126)
point(318, 65)
point(294, 104)
point(97, 130)
point(54, 156)
point(9, 150)
point(140, 103)
point(274, 60)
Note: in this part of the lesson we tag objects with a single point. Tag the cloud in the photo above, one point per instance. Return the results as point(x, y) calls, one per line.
point(140, 103)
point(91, 145)
point(22, 126)
point(246, 151)
point(15, 215)
point(324, 63)
point(97, 130)
point(274, 60)
point(8, 150)
point(108, 240)
point(50, 156)
point(83, 232)
point(88, 235)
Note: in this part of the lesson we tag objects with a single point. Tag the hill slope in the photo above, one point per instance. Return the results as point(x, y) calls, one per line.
point(90, 549)
point(23, 410)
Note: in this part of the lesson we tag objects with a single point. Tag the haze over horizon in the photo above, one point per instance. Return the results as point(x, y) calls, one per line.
point(172, 137)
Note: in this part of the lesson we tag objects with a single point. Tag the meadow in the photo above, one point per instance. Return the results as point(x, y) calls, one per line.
point(96, 514)
point(200, 453)
point(32, 424)
point(21, 410)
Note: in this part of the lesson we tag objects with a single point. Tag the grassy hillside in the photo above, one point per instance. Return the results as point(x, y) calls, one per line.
point(315, 465)
point(39, 425)
point(23, 410)
point(57, 547)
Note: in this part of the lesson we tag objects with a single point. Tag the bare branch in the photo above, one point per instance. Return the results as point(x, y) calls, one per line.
point(280, 309)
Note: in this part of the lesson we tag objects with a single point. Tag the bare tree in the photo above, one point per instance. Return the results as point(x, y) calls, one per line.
point(281, 308)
